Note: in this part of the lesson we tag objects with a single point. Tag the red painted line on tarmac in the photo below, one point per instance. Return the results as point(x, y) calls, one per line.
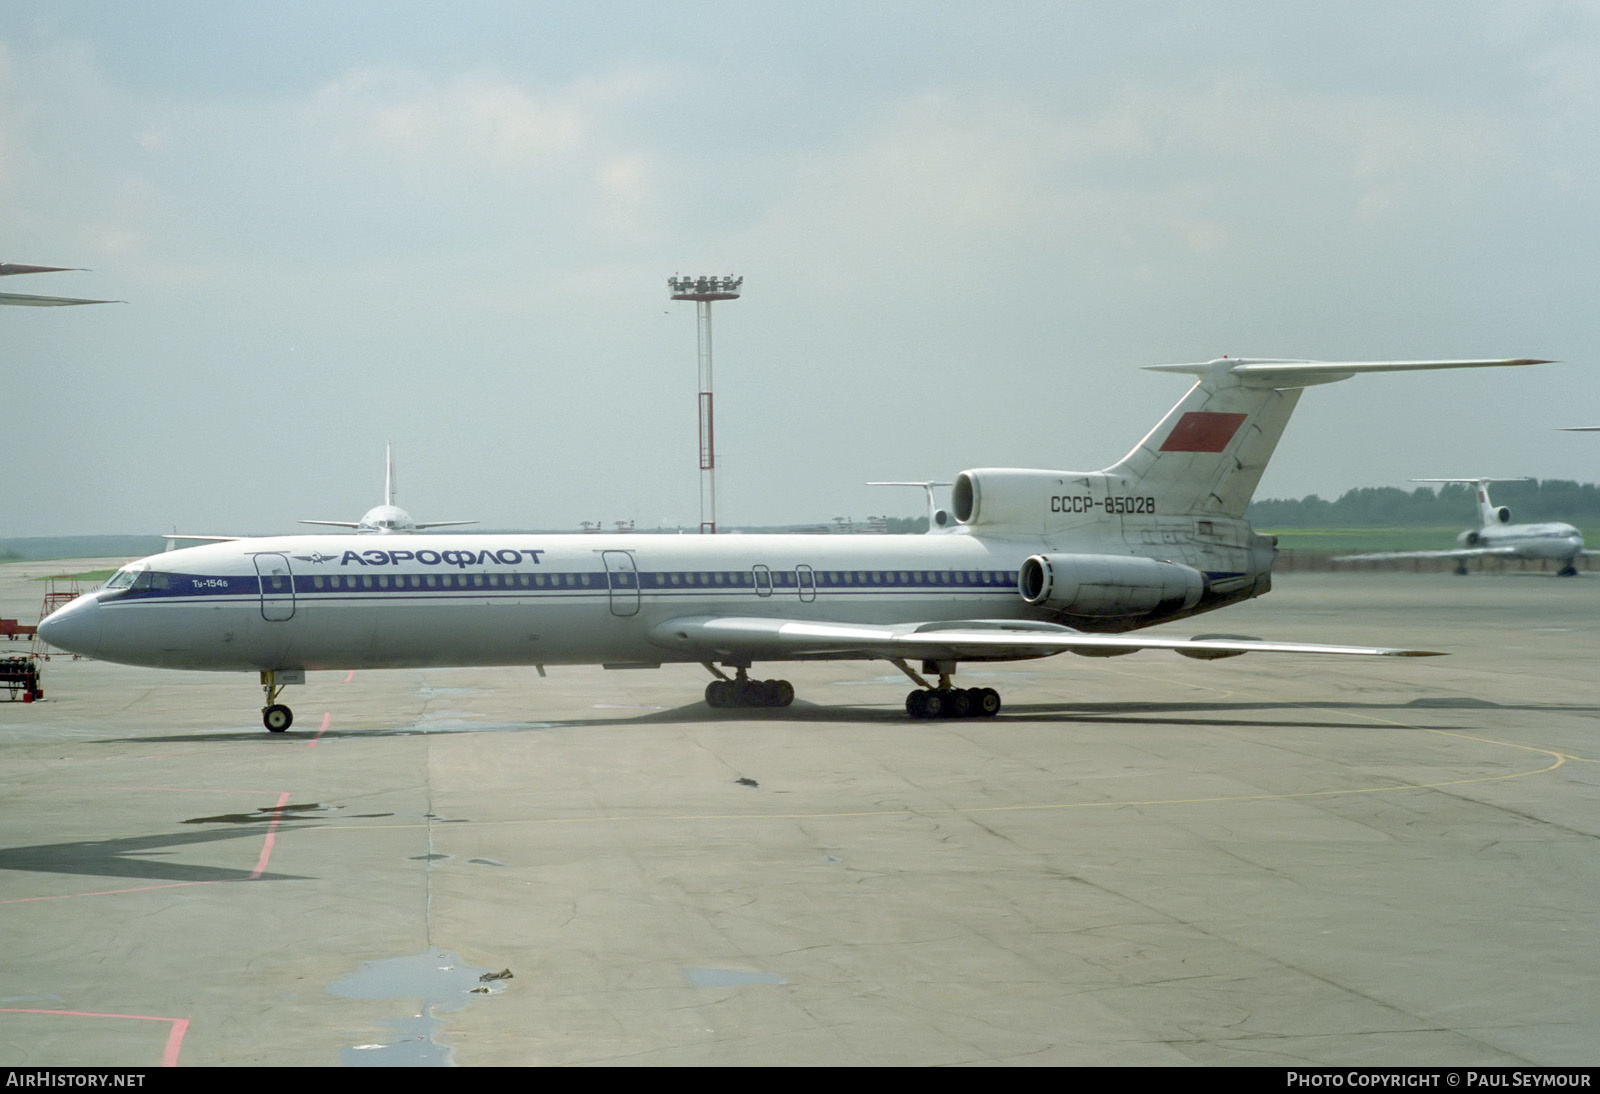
point(327, 718)
point(169, 1054)
point(350, 676)
point(272, 835)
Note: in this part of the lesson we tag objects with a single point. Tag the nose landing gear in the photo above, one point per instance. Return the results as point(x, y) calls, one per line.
point(276, 716)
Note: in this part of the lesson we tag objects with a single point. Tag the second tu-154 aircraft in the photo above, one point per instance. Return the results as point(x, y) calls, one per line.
point(1496, 537)
point(1039, 563)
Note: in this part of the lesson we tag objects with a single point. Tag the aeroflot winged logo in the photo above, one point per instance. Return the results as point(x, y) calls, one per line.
point(507, 556)
point(1203, 431)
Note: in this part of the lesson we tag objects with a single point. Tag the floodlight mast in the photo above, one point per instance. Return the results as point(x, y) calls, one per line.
point(704, 290)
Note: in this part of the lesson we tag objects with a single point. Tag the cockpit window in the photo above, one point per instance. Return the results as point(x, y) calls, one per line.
point(137, 578)
point(124, 577)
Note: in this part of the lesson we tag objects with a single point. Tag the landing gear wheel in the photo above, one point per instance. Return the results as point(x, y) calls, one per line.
point(277, 718)
point(780, 693)
point(953, 703)
point(744, 692)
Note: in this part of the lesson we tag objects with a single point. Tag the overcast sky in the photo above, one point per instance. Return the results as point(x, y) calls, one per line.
point(963, 226)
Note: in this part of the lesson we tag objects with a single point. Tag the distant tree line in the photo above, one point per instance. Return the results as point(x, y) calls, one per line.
point(1451, 504)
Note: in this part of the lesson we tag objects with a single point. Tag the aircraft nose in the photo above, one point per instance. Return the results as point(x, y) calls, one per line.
point(74, 627)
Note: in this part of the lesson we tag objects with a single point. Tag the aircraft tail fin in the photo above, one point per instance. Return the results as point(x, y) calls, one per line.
point(1208, 454)
point(1489, 514)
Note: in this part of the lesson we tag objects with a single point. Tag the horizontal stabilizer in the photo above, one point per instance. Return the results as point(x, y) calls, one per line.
point(1284, 373)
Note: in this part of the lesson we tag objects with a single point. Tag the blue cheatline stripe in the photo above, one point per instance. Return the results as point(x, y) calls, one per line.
point(680, 583)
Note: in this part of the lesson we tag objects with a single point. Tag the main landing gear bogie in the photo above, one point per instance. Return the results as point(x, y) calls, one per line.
point(744, 692)
point(948, 702)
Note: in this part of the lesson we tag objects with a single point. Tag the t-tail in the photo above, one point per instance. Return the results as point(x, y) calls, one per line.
point(1490, 515)
point(1203, 459)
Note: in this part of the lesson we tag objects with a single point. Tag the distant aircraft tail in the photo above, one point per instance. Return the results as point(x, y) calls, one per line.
point(1489, 514)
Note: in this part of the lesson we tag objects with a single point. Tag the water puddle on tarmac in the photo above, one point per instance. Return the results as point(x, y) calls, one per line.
point(434, 982)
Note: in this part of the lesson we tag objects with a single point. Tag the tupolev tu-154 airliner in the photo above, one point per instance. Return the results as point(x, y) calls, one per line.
point(1038, 563)
point(1496, 537)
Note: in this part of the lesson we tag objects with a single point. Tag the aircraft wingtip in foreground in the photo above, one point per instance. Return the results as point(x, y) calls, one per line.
point(1038, 563)
point(1496, 537)
point(29, 300)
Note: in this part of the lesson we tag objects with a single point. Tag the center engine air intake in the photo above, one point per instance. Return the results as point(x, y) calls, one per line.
point(1107, 586)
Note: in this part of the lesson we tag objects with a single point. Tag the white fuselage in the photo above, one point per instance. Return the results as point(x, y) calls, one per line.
point(1556, 541)
point(344, 602)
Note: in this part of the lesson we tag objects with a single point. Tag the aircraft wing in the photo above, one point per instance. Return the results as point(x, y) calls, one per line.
point(1456, 552)
point(433, 523)
point(209, 539)
point(335, 523)
point(27, 300)
point(717, 637)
